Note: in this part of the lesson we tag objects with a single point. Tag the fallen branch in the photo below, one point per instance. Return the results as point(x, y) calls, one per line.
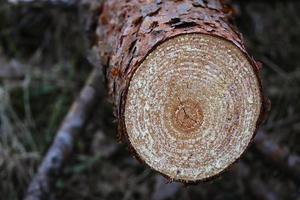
point(278, 156)
point(63, 143)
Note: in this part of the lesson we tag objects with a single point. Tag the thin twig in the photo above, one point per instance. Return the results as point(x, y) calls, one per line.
point(269, 63)
point(62, 145)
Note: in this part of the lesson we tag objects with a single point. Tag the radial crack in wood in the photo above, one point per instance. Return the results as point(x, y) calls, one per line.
point(186, 93)
point(192, 106)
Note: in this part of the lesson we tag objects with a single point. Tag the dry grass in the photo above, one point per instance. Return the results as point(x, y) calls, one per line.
point(31, 107)
point(47, 43)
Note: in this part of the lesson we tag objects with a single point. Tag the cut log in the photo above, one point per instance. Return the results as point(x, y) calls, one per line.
point(187, 95)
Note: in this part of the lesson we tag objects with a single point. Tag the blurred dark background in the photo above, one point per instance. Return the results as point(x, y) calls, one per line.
point(43, 65)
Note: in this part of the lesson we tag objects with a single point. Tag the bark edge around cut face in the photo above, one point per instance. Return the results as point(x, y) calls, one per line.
point(130, 32)
point(192, 107)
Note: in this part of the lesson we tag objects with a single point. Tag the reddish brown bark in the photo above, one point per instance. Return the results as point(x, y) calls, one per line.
point(130, 30)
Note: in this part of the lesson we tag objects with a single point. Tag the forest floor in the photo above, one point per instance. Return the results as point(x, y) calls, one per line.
point(43, 65)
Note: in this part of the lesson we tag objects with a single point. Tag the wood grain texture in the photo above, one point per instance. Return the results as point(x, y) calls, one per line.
point(192, 107)
point(179, 71)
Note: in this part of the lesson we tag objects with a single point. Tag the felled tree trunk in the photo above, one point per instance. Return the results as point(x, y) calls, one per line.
point(187, 95)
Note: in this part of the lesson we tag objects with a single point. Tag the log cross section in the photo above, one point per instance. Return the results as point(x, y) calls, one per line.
point(187, 95)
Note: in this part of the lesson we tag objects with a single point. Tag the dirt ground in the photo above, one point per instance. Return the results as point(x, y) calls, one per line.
point(43, 65)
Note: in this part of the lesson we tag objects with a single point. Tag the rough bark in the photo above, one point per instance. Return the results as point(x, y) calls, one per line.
point(135, 32)
point(62, 146)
